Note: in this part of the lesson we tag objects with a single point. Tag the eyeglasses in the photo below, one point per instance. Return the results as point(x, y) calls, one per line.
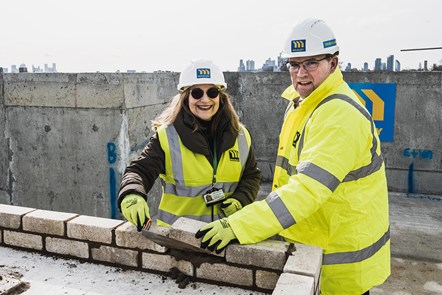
point(198, 93)
point(308, 65)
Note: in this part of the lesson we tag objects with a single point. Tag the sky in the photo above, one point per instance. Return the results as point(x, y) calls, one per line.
point(152, 35)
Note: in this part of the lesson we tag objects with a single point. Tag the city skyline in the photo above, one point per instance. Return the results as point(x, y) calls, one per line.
point(108, 36)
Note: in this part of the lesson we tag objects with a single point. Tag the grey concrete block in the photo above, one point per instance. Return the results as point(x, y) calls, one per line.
point(306, 260)
point(23, 240)
point(10, 216)
point(115, 255)
point(267, 254)
point(47, 222)
point(127, 236)
point(164, 263)
point(184, 230)
point(67, 247)
point(50, 90)
point(139, 92)
point(266, 279)
point(225, 273)
point(91, 228)
point(107, 90)
point(292, 284)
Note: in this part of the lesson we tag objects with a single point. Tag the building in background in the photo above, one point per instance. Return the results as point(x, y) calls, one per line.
point(242, 67)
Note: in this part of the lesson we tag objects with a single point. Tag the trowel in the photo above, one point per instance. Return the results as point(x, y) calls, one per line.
point(149, 232)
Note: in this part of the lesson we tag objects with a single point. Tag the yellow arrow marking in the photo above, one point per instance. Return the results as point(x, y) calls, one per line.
point(378, 104)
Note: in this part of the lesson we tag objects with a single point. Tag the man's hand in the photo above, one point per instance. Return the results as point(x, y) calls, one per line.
point(230, 206)
point(217, 235)
point(135, 210)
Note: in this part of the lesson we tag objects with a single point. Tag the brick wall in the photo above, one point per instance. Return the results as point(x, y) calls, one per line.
point(271, 266)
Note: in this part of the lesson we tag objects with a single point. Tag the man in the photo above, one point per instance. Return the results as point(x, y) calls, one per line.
point(329, 187)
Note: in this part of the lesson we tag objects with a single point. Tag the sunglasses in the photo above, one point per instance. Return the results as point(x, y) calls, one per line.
point(198, 93)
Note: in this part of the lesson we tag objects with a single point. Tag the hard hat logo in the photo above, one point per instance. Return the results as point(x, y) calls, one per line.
point(298, 45)
point(329, 43)
point(203, 73)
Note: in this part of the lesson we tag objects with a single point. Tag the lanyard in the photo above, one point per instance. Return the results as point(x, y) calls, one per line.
point(214, 163)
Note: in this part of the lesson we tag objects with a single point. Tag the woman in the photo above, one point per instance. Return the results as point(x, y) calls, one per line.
point(201, 152)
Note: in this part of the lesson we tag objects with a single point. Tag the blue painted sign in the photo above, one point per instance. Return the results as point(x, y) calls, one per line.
point(380, 101)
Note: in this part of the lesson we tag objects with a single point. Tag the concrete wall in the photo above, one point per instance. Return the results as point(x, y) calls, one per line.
point(68, 137)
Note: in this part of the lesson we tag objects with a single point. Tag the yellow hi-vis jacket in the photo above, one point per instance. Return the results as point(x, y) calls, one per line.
point(329, 190)
point(188, 176)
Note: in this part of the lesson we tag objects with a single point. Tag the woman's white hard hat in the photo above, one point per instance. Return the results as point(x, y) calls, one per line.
point(201, 71)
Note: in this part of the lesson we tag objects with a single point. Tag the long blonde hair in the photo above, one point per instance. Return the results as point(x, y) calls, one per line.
point(180, 103)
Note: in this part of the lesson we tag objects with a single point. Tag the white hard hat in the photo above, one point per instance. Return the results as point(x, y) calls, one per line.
point(201, 71)
point(308, 38)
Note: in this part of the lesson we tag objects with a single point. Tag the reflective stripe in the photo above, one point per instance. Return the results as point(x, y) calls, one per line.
point(283, 162)
point(374, 166)
point(280, 210)
point(243, 148)
point(170, 218)
point(196, 191)
point(175, 154)
point(356, 256)
point(319, 174)
point(376, 160)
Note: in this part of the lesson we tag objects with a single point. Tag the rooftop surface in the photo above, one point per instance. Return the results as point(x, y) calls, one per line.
point(416, 226)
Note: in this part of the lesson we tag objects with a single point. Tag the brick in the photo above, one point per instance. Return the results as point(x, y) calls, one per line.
point(267, 254)
point(292, 284)
point(164, 263)
point(10, 216)
point(44, 221)
point(266, 279)
point(90, 228)
point(225, 273)
point(9, 285)
point(23, 240)
point(115, 255)
point(184, 229)
point(67, 247)
point(306, 260)
point(127, 236)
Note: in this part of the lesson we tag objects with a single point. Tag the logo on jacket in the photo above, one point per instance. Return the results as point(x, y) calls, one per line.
point(298, 45)
point(296, 138)
point(203, 73)
point(234, 155)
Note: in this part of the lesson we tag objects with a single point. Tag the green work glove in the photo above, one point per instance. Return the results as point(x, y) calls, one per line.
point(230, 206)
point(135, 210)
point(216, 235)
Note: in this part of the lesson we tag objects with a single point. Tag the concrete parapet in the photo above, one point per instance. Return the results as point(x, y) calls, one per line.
point(114, 242)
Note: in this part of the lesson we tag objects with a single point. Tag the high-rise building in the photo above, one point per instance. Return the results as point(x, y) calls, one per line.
point(241, 67)
point(14, 69)
point(365, 67)
point(390, 63)
point(348, 67)
point(378, 64)
point(269, 66)
point(397, 67)
point(250, 65)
